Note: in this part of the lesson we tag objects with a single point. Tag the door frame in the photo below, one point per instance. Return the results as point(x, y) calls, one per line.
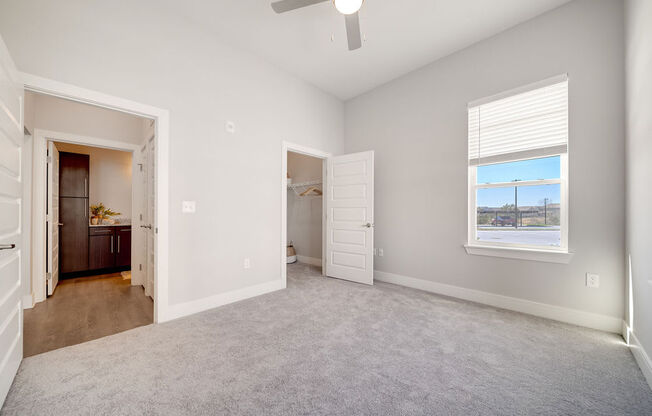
point(40, 195)
point(316, 153)
point(162, 132)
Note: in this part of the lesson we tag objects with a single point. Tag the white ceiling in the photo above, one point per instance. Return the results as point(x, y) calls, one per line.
point(401, 35)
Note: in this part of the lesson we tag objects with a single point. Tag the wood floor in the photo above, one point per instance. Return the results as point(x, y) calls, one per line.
point(83, 309)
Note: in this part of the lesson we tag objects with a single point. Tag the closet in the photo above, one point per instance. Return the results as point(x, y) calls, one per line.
point(304, 208)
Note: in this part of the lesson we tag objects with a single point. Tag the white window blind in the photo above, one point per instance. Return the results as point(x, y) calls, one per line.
point(522, 125)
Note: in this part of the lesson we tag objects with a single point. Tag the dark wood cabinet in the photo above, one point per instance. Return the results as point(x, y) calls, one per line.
point(109, 247)
point(123, 246)
point(73, 212)
point(101, 250)
point(73, 247)
point(73, 175)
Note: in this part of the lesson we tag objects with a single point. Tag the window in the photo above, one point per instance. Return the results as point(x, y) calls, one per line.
point(518, 164)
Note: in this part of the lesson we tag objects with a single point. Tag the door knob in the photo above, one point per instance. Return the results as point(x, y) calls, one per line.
point(60, 224)
point(7, 246)
point(368, 225)
point(148, 226)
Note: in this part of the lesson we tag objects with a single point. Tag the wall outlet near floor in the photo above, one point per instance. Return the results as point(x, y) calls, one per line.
point(381, 252)
point(188, 207)
point(247, 263)
point(592, 280)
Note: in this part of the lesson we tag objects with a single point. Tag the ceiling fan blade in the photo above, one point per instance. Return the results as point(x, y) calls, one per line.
point(353, 31)
point(283, 6)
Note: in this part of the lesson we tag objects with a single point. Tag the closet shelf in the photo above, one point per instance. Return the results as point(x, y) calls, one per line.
point(300, 188)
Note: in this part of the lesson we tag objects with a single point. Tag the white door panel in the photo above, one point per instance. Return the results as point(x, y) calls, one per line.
point(140, 244)
point(11, 138)
point(151, 215)
point(349, 215)
point(53, 217)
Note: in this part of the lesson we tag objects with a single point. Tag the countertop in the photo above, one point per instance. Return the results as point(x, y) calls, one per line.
point(109, 225)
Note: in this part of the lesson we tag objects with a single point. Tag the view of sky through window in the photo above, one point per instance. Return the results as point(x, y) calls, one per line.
point(525, 170)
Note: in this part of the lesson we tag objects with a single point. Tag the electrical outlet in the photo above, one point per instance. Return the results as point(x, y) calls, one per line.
point(592, 280)
point(247, 263)
point(381, 252)
point(188, 207)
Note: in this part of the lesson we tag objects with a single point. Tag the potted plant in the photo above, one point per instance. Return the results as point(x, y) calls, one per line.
point(97, 211)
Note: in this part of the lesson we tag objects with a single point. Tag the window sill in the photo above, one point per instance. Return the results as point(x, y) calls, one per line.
point(547, 256)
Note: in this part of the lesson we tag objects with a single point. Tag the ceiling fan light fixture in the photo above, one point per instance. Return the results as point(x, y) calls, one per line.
point(348, 6)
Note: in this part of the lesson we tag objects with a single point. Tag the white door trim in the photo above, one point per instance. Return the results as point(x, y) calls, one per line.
point(162, 117)
point(304, 150)
point(39, 195)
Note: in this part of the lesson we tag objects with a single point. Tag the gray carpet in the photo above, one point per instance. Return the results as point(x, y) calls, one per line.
point(330, 347)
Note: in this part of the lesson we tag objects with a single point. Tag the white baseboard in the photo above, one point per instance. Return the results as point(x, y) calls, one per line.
point(639, 353)
point(309, 260)
point(625, 331)
point(188, 308)
point(557, 313)
point(28, 301)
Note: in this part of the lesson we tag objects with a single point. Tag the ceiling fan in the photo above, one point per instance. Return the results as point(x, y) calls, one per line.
point(349, 8)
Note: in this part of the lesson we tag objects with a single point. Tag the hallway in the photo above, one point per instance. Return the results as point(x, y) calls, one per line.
point(83, 309)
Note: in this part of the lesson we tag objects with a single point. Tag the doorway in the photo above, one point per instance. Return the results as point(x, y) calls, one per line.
point(94, 255)
point(347, 211)
point(305, 212)
point(302, 216)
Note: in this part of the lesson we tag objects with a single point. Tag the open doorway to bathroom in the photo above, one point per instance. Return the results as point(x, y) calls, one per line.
point(92, 210)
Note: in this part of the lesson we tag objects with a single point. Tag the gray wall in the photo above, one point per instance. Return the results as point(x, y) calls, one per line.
point(305, 212)
point(137, 51)
point(639, 163)
point(65, 116)
point(417, 126)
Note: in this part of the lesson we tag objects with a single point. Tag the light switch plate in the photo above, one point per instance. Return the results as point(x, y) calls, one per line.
point(188, 207)
point(247, 263)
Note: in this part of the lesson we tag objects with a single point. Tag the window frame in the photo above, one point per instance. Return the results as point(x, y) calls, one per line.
point(473, 187)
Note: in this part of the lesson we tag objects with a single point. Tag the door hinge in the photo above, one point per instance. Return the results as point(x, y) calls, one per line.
point(156, 230)
point(48, 159)
point(140, 267)
point(48, 276)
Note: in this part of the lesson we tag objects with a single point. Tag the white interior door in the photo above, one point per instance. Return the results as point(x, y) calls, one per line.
point(350, 217)
point(151, 215)
point(53, 218)
point(139, 234)
point(11, 138)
